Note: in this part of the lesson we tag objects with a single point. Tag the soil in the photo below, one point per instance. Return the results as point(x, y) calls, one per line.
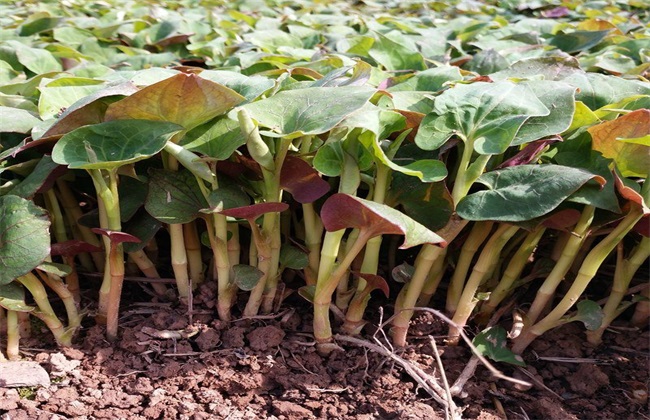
point(167, 366)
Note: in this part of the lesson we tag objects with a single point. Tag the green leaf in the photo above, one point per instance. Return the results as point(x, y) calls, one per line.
point(245, 276)
point(250, 87)
point(559, 98)
point(12, 298)
point(293, 257)
point(174, 197)
point(112, 144)
point(59, 94)
point(431, 80)
point(144, 227)
point(36, 179)
point(589, 313)
point(394, 56)
point(548, 68)
point(14, 120)
point(524, 192)
point(227, 197)
point(599, 90)
point(578, 40)
point(342, 211)
point(36, 60)
point(488, 114)
point(24, 237)
point(217, 139)
point(60, 270)
point(487, 61)
point(492, 343)
point(307, 111)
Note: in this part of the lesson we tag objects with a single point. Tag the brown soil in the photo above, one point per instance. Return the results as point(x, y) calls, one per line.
point(269, 369)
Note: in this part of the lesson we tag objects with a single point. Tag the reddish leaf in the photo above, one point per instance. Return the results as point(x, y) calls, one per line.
point(302, 180)
point(630, 194)
point(342, 211)
point(374, 282)
point(116, 237)
point(562, 219)
point(529, 153)
point(72, 247)
point(184, 99)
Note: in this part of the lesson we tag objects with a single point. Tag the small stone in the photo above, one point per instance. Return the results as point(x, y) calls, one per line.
point(60, 365)
point(23, 374)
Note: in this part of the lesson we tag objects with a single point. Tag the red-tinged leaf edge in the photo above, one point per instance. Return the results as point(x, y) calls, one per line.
point(115, 237)
point(301, 180)
point(254, 211)
point(72, 247)
point(374, 282)
point(631, 195)
point(342, 211)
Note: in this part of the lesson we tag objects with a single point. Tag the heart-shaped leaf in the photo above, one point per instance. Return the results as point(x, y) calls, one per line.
point(183, 99)
point(142, 226)
point(60, 270)
point(589, 313)
point(342, 211)
point(489, 114)
point(493, 343)
point(40, 179)
point(307, 111)
point(24, 237)
point(373, 282)
point(217, 139)
point(112, 144)
point(15, 120)
point(521, 193)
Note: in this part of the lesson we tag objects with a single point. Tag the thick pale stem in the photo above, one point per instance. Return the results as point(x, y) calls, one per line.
point(588, 269)
point(233, 245)
point(325, 288)
point(343, 291)
point(24, 325)
point(625, 270)
point(116, 257)
point(313, 241)
point(484, 265)
point(148, 268)
point(13, 336)
point(104, 202)
point(411, 292)
point(57, 285)
point(264, 264)
point(563, 264)
point(433, 280)
point(179, 260)
point(512, 271)
point(479, 233)
point(72, 279)
point(193, 250)
point(74, 213)
point(45, 312)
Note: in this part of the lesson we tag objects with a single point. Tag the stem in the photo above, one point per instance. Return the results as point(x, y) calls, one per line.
point(45, 311)
point(13, 336)
point(569, 252)
point(105, 200)
point(484, 265)
point(588, 269)
point(325, 288)
point(56, 284)
point(24, 325)
point(433, 280)
point(179, 260)
point(343, 291)
point(642, 311)
point(141, 259)
point(271, 224)
point(73, 213)
point(410, 292)
point(264, 263)
point(233, 246)
point(193, 250)
point(313, 241)
point(479, 233)
point(625, 270)
point(512, 272)
point(116, 257)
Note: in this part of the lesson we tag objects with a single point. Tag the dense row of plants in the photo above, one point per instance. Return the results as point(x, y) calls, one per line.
point(284, 143)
